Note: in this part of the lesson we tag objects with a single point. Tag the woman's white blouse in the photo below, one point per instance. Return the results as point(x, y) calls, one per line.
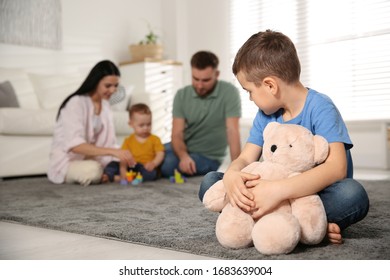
point(77, 124)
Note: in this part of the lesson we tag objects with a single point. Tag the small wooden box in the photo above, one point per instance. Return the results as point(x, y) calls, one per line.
point(141, 52)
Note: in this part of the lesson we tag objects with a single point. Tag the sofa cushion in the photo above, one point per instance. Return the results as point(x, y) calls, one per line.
point(22, 86)
point(120, 100)
point(7, 95)
point(24, 122)
point(121, 123)
point(51, 90)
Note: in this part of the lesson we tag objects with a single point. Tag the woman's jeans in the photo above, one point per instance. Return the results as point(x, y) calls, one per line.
point(346, 202)
point(171, 162)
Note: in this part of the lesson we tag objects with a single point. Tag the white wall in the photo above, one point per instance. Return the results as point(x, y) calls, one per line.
point(97, 29)
point(203, 25)
point(92, 30)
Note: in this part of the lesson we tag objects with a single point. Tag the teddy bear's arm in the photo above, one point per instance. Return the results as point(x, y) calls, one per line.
point(215, 197)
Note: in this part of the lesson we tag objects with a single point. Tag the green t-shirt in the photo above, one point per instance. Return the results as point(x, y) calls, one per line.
point(205, 117)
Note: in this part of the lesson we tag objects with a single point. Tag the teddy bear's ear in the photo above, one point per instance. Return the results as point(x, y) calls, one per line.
point(321, 149)
point(270, 126)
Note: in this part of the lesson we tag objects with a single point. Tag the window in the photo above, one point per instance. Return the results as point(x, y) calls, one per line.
point(343, 46)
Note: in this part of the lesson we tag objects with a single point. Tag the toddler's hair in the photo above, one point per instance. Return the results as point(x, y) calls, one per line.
point(203, 59)
point(140, 108)
point(268, 53)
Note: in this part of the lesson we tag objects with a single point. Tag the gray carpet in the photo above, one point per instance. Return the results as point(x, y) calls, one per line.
point(165, 215)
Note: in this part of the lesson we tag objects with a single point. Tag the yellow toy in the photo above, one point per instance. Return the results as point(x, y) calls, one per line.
point(138, 179)
point(131, 175)
point(177, 178)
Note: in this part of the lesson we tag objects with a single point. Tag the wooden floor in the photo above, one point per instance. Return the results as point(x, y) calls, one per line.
point(19, 242)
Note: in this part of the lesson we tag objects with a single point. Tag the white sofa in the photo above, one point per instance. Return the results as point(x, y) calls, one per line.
point(26, 130)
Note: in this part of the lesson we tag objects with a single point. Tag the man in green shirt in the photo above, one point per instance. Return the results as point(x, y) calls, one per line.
point(205, 121)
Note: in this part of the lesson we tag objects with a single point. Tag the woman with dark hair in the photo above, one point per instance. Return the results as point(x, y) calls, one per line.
point(84, 140)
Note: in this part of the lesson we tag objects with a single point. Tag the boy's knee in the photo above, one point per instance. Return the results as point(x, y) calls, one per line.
point(212, 177)
point(353, 190)
point(208, 180)
point(360, 196)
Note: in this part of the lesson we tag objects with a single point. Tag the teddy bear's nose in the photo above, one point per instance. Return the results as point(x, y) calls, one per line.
point(273, 148)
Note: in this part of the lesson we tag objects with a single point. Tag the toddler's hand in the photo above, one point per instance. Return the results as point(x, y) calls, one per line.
point(150, 166)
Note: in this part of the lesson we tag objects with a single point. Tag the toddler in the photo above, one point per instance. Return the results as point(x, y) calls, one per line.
point(146, 149)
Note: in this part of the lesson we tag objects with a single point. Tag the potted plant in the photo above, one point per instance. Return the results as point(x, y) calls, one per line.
point(147, 48)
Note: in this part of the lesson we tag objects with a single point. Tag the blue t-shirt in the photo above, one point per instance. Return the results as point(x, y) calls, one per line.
point(319, 115)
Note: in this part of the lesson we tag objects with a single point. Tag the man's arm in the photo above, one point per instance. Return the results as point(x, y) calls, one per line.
point(233, 137)
point(178, 145)
point(187, 165)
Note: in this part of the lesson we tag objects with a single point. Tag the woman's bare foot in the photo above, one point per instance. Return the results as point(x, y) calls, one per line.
point(334, 234)
point(105, 179)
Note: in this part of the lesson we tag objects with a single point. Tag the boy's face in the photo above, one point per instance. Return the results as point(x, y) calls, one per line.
point(141, 124)
point(204, 80)
point(260, 95)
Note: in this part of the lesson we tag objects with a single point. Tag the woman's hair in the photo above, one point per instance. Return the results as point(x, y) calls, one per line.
point(99, 71)
point(203, 59)
point(268, 53)
point(140, 108)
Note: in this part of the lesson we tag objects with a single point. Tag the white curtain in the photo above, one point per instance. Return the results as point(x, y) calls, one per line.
point(343, 46)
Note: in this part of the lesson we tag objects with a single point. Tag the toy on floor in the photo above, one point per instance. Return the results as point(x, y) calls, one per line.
point(138, 179)
point(178, 178)
point(132, 177)
point(288, 150)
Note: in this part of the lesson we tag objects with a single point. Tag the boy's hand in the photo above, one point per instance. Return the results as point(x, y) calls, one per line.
point(267, 195)
point(236, 190)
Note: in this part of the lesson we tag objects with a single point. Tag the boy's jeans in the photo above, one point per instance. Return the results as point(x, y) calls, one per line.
point(346, 201)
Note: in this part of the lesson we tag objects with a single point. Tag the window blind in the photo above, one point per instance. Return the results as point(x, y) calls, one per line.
point(343, 46)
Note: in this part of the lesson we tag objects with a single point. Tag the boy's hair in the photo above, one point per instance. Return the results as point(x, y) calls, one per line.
point(268, 53)
point(140, 108)
point(203, 59)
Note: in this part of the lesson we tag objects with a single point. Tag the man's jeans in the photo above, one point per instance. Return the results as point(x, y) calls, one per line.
point(171, 162)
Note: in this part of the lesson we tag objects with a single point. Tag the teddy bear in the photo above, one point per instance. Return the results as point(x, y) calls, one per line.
point(288, 150)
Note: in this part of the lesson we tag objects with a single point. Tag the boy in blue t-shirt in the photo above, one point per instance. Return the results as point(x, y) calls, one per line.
point(268, 68)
